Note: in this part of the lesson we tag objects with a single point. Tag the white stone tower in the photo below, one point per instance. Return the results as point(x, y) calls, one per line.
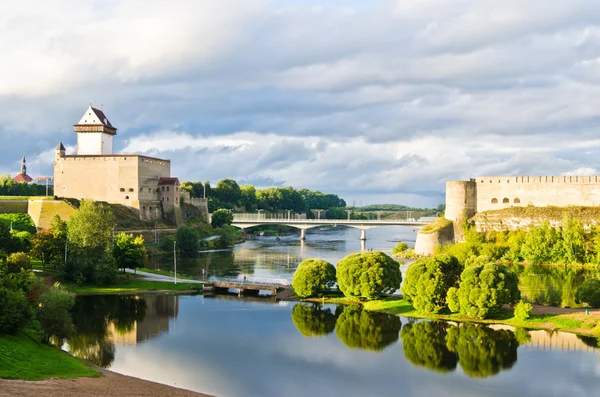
point(94, 133)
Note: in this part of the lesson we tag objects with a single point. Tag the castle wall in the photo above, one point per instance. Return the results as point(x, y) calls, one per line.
point(461, 200)
point(94, 143)
point(502, 192)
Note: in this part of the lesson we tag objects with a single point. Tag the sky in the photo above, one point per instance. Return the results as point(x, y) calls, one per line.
point(377, 101)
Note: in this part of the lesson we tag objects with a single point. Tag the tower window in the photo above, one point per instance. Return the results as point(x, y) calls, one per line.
point(167, 188)
point(122, 189)
point(505, 201)
point(494, 201)
point(131, 189)
point(517, 201)
point(126, 197)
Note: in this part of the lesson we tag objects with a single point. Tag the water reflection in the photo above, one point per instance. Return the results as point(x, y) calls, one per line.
point(362, 329)
point(312, 320)
point(424, 345)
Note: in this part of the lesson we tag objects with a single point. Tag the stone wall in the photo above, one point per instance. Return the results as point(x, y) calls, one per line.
point(427, 242)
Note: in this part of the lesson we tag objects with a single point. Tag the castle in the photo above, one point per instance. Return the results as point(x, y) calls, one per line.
point(96, 173)
point(484, 193)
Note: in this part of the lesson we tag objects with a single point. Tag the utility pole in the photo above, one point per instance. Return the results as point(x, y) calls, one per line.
point(175, 258)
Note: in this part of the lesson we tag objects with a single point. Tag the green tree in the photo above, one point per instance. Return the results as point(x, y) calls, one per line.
point(187, 239)
point(428, 280)
point(573, 237)
point(523, 310)
point(53, 313)
point(90, 228)
point(312, 320)
point(368, 275)
point(424, 345)
point(42, 245)
point(248, 200)
point(484, 289)
point(129, 251)
point(17, 261)
point(541, 245)
point(5, 238)
point(228, 192)
point(400, 247)
point(482, 351)
point(361, 329)
point(15, 311)
point(226, 237)
point(589, 292)
point(221, 217)
point(313, 277)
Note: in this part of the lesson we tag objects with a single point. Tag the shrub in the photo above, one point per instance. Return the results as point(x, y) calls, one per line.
point(368, 275)
point(484, 289)
point(428, 280)
point(15, 311)
point(399, 248)
point(53, 313)
point(312, 277)
point(523, 310)
point(589, 292)
point(187, 239)
point(17, 261)
point(227, 237)
point(221, 217)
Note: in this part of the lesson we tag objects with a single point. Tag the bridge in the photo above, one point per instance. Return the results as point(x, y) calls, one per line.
point(245, 221)
point(247, 287)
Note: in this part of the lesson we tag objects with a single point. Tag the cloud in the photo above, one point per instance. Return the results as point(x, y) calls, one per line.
point(374, 100)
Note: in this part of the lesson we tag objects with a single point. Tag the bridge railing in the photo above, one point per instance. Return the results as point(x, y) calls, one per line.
point(284, 219)
point(262, 281)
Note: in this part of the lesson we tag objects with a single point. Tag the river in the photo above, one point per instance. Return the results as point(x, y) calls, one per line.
point(259, 347)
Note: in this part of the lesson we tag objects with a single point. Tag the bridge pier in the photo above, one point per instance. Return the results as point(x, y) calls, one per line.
point(363, 234)
point(302, 234)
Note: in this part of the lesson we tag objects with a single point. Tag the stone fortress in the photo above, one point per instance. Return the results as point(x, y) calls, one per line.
point(485, 193)
point(96, 173)
point(464, 199)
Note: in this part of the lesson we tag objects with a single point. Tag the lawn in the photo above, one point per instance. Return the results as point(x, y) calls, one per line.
point(131, 285)
point(165, 273)
point(23, 357)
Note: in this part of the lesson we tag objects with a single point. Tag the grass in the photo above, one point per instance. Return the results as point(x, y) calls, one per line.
point(576, 322)
point(436, 225)
point(23, 357)
point(124, 286)
point(165, 273)
point(2, 198)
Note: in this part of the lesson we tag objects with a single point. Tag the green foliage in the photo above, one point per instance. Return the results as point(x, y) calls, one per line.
point(399, 248)
point(227, 236)
point(221, 217)
point(312, 320)
point(573, 237)
point(424, 345)
point(481, 351)
point(17, 261)
point(47, 246)
point(187, 239)
point(19, 221)
point(5, 238)
point(523, 310)
point(436, 225)
point(129, 251)
point(53, 313)
point(90, 228)
point(313, 277)
point(368, 275)
point(15, 311)
point(483, 289)
point(428, 280)
point(589, 292)
point(20, 240)
point(361, 329)
point(540, 244)
point(84, 269)
point(549, 296)
point(8, 187)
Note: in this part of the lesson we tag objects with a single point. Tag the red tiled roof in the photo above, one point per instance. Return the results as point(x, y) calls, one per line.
point(168, 181)
point(22, 178)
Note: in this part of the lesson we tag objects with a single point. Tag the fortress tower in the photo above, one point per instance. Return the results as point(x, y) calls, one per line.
point(94, 133)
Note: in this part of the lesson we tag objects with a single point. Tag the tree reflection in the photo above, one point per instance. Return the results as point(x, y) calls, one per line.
point(362, 329)
point(312, 320)
point(482, 351)
point(424, 345)
point(93, 317)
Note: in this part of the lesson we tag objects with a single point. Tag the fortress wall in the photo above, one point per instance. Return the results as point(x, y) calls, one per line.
point(461, 196)
point(502, 192)
point(150, 171)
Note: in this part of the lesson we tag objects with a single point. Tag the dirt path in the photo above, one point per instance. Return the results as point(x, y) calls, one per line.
point(539, 309)
point(110, 384)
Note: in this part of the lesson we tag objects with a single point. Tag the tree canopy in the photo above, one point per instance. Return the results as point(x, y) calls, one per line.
point(312, 277)
point(129, 251)
point(90, 227)
point(589, 292)
point(368, 275)
point(221, 217)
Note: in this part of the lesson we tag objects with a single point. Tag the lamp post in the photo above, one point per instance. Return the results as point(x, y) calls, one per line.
point(175, 258)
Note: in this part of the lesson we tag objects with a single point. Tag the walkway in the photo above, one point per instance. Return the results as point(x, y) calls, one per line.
point(160, 277)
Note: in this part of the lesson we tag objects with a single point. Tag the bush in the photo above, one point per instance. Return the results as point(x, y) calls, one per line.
point(399, 248)
point(187, 239)
point(312, 277)
point(523, 310)
point(221, 217)
point(368, 275)
point(428, 280)
point(15, 311)
point(227, 237)
point(484, 289)
point(53, 313)
point(589, 292)
point(17, 261)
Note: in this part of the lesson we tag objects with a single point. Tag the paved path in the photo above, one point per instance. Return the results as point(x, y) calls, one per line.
point(160, 277)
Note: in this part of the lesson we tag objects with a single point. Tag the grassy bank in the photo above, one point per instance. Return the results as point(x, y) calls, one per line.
point(134, 285)
point(23, 357)
point(165, 273)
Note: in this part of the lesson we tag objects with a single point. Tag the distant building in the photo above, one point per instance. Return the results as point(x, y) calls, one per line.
point(22, 177)
point(95, 172)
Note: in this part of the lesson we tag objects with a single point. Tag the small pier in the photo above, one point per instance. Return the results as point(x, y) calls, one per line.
point(246, 287)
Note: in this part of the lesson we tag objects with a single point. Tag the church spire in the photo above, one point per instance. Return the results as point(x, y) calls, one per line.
point(23, 166)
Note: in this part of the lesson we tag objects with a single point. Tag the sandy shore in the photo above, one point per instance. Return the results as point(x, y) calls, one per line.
point(110, 384)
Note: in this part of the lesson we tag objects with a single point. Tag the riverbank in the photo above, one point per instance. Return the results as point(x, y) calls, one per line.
point(543, 317)
point(135, 286)
point(107, 384)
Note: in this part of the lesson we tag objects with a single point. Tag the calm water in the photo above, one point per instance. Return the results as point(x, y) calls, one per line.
point(258, 347)
point(230, 347)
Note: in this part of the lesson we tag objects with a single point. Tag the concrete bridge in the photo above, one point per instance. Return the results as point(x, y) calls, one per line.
point(247, 287)
point(245, 221)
